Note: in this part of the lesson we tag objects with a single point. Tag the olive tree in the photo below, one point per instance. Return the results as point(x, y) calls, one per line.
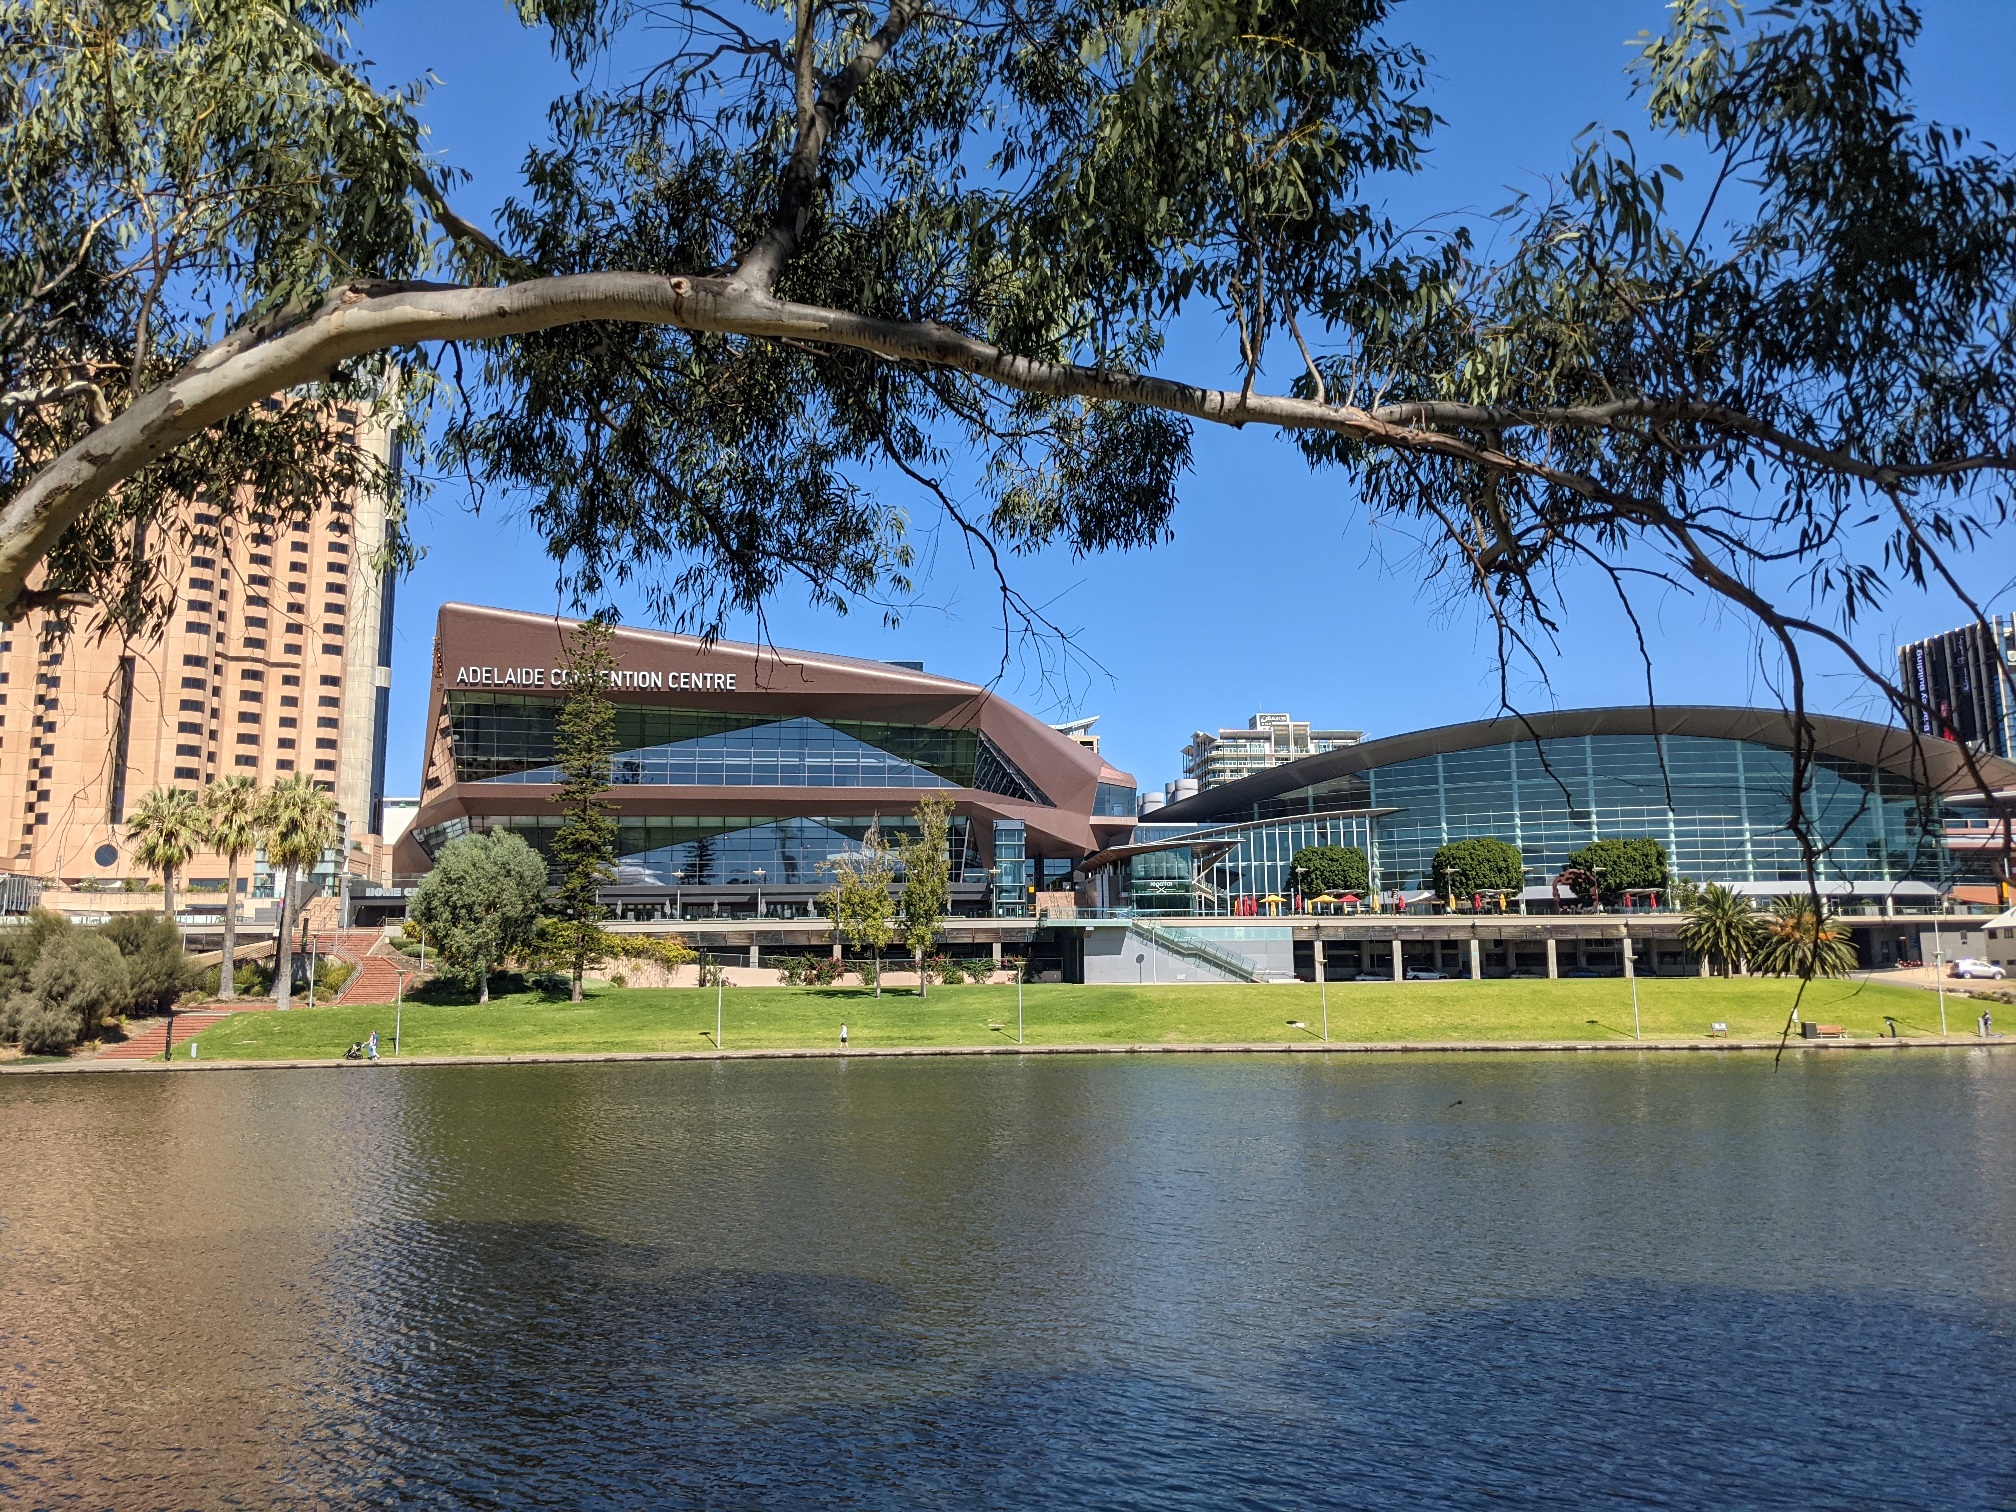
point(480, 904)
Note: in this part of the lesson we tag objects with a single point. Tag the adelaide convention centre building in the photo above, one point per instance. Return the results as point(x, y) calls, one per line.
point(743, 769)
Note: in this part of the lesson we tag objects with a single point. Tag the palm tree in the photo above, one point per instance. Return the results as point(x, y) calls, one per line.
point(166, 828)
point(300, 826)
point(1720, 926)
point(1803, 941)
point(234, 816)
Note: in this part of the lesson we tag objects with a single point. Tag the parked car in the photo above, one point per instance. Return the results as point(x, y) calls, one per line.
point(1375, 976)
point(1987, 971)
point(1425, 976)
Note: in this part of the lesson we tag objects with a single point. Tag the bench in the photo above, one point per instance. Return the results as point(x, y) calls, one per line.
point(1718, 1030)
point(1811, 1030)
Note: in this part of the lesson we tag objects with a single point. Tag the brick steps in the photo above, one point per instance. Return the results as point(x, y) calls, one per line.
point(150, 1036)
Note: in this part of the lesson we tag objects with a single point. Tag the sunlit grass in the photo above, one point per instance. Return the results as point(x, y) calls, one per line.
point(798, 1017)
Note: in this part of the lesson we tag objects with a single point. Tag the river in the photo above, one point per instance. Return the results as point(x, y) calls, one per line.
point(1155, 1282)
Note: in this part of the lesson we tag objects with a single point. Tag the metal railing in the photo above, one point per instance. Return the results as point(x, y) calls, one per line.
point(1244, 968)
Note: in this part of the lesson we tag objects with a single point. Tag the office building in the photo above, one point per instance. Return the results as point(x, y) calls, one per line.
point(275, 660)
point(742, 769)
point(1965, 684)
point(1267, 741)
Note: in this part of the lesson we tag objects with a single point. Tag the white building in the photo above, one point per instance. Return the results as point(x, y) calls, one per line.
point(1268, 740)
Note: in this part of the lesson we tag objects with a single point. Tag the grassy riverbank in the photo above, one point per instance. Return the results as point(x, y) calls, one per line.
point(789, 1017)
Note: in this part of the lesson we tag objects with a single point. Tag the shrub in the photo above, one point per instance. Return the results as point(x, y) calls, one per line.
point(19, 947)
point(12, 1007)
point(1619, 866)
point(617, 979)
point(49, 1028)
point(950, 970)
point(331, 976)
point(1463, 867)
point(870, 968)
point(791, 970)
point(80, 974)
point(157, 968)
point(825, 971)
point(253, 979)
point(1331, 869)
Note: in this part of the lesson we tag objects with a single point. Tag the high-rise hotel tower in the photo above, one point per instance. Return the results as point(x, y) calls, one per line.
point(276, 660)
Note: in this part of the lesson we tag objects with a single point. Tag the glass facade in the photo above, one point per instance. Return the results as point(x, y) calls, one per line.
point(1720, 808)
point(1011, 868)
point(692, 851)
point(506, 738)
point(1113, 800)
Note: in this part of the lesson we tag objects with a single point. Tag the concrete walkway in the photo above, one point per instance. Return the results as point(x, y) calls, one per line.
point(1309, 1047)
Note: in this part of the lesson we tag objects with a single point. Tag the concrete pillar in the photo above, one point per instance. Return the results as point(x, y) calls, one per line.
point(1319, 957)
point(1399, 963)
point(755, 955)
point(1476, 959)
point(1704, 966)
point(997, 955)
point(837, 956)
point(1553, 961)
point(1630, 965)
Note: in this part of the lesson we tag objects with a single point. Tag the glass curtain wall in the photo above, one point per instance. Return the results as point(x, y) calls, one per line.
point(693, 851)
point(506, 739)
point(1720, 807)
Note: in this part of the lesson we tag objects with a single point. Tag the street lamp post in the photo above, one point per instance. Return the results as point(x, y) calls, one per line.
point(1939, 972)
point(1021, 970)
point(759, 891)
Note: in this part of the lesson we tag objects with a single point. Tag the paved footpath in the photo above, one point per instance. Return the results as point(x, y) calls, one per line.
point(1311, 1047)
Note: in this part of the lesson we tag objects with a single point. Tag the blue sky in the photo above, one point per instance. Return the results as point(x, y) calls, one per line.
point(1277, 593)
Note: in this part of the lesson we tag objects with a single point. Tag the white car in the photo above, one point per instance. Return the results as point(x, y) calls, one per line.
point(1426, 976)
point(1986, 971)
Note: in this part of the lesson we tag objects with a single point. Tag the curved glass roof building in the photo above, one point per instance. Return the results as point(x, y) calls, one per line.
point(1715, 786)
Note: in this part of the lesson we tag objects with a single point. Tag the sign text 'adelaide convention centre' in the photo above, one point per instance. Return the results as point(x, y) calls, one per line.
point(556, 677)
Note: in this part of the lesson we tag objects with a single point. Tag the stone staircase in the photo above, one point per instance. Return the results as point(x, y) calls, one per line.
point(150, 1036)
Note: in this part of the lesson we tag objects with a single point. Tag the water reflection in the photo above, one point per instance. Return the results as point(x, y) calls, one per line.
point(1114, 1282)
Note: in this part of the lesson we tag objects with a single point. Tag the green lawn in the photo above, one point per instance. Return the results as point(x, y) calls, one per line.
point(779, 1017)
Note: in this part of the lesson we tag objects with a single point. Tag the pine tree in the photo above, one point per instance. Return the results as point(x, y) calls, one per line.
point(584, 847)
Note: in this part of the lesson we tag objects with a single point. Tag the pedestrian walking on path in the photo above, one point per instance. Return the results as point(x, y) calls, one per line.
point(843, 1036)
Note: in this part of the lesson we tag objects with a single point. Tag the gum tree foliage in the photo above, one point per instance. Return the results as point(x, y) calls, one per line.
point(1617, 867)
point(771, 257)
point(861, 903)
point(1331, 869)
point(480, 903)
point(1463, 867)
point(927, 882)
point(583, 856)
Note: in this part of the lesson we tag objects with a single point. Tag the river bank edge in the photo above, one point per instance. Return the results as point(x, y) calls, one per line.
point(899, 1052)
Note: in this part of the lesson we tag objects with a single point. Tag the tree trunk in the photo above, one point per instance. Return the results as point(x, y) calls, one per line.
point(227, 964)
point(482, 985)
point(923, 987)
point(283, 956)
point(574, 980)
point(168, 893)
